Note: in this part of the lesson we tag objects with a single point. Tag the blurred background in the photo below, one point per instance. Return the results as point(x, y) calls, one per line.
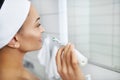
point(93, 26)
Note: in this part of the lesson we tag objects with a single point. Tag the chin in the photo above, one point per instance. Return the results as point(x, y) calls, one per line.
point(38, 48)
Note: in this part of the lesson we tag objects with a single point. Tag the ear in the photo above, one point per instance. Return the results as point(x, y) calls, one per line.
point(14, 43)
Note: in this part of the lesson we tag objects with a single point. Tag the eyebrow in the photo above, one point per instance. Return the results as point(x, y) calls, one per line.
point(37, 19)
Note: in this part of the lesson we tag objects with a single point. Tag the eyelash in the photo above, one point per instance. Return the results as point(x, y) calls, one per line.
point(38, 25)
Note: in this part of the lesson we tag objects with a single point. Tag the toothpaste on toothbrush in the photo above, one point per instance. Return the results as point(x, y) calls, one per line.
point(81, 59)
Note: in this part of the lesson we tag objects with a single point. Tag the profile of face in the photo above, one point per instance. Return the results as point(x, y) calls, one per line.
point(29, 36)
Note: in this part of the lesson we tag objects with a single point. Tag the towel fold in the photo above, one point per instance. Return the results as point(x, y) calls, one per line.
point(46, 57)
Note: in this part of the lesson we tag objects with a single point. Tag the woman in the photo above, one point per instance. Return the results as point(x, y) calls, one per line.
point(24, 35)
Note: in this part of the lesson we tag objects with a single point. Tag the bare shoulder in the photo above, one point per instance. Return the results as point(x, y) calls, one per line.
point(28, 76)
point(23, 78)
point(8, 76)
point(17, 76)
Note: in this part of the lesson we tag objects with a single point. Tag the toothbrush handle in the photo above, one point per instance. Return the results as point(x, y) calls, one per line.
point(81, 59)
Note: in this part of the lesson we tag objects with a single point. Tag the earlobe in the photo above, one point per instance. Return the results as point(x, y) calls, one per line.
point(14, 43)
point(17, 45)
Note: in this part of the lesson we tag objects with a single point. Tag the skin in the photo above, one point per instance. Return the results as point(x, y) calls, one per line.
point(67, 63)
point(28, 39)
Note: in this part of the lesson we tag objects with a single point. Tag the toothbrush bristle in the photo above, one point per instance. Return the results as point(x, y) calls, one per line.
point(56, 40)
point(53, 38)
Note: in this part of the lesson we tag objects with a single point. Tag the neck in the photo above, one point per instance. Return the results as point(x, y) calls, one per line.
point(11, 58)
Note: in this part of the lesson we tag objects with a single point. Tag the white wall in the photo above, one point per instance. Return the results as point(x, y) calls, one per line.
point(93, 27)
point(49, 13)
point(105, 32)
point(79, 24)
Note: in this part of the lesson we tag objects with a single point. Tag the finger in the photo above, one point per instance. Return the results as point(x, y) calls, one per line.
point(75, 64)
point(68, 57)
point(59, 59)
point(70, 71)
point(66, 53)
point(64, 61)
point(69, 61)
point(74, 61)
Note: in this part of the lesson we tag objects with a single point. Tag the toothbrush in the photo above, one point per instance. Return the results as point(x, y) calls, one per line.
point(81, 59)
point(57, 41)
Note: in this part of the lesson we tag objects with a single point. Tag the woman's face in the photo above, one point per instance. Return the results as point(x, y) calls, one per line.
point(30, 33)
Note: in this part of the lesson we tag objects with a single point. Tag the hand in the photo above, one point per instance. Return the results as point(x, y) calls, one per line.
point(67, 64)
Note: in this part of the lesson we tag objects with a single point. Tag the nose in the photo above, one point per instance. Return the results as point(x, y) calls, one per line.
point(42, 29)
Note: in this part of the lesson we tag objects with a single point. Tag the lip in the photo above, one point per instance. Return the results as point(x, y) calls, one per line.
point(40, 40)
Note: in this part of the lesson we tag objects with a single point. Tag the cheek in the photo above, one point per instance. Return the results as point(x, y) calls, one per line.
point(31, 41)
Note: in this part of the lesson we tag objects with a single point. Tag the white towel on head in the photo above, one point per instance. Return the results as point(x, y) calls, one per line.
point(47, 58)
point(12, 16)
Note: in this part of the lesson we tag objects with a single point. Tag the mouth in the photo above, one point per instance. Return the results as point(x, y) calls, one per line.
point(40, 40)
